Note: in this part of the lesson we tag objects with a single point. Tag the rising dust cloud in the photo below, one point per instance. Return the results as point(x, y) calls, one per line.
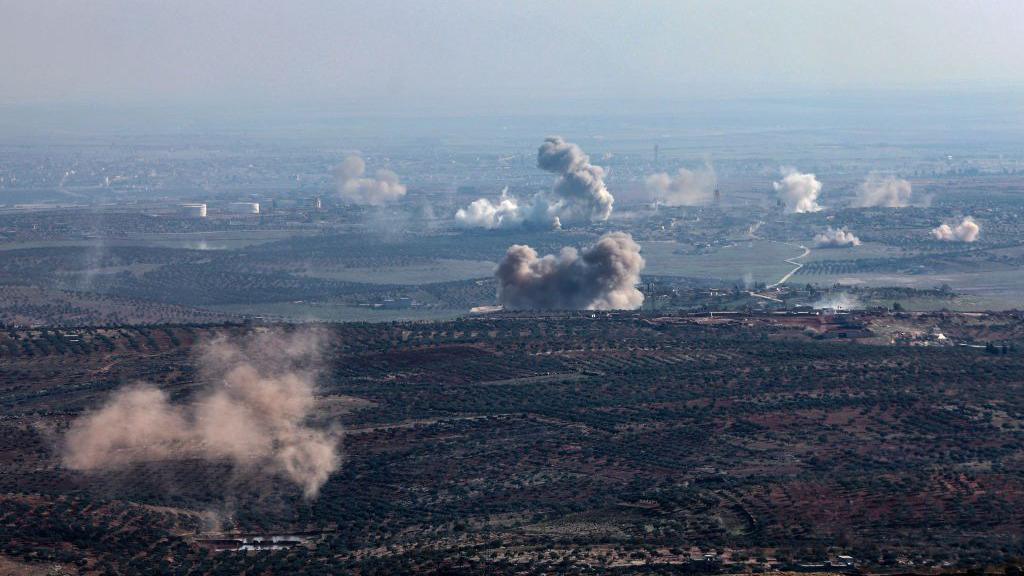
point(254, 415)
point(966, 231)
point(836, 238)
point(354, 187)
point(887, 192)
point(684, 188)
point(600, 277)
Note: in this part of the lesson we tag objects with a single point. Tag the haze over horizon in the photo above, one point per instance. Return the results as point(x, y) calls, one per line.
point(462, 57)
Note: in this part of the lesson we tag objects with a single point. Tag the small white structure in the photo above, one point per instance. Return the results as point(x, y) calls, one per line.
point(193, 210)
point(244, 207)
point(843, 560)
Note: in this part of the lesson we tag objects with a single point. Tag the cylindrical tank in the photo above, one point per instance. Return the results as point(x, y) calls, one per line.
point(193, 210)
point(245, 207)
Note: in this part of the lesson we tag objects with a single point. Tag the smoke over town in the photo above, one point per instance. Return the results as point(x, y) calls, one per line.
point(887, 192)
point(482, 213)
point(600, 277)
point(253, 415)
point(966, 231)
point(836, 238)
point(685, 188)
point(354, 187)
point(798, 191)
point(578, 195)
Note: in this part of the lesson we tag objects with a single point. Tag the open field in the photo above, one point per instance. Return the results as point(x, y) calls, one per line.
point(865, 250)
point(997, 290)
point(441, 270)
point(763, 260)
point(334, 312)
point(211, 240)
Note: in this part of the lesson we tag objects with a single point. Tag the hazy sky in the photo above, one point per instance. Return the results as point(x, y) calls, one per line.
point(447, 55)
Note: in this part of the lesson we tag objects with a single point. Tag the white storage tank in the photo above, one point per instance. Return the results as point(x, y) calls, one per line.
point(244, 207)
point(193, 210)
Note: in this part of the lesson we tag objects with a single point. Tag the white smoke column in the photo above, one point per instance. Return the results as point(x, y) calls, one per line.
point(352, 186)
point(686, 188)
point(748, 281)
point(483, 213)
point(840, 301)
point(601, 277)
point(579, 195)
point(254, 416)
point(798, 191)
point(888, 192)
point(966, 231)
point(836, 237)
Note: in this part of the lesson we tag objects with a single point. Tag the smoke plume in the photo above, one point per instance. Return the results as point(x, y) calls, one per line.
point(966, 231)
point(600, 277)
point(354, 187)
point(483, 213)
point(253, 415)
point(578, 195)
point(686, 188)
point(888, 192)
point(840, 301)
point(836, 238)
point(798, 191)
point(748, 281)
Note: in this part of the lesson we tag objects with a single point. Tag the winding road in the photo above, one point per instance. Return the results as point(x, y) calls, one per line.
point(794, 262)
point(752, 233)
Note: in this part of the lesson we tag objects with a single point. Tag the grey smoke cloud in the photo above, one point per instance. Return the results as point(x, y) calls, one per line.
point(685, 188)
point(887, 192)
point(798, 191)
point(254, 415)
point(600, 277)
point(836, 238)
point(578, 195)
point(354, 187)
point(966, 231)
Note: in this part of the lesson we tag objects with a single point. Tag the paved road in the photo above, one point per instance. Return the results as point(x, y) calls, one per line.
point(794, 262)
